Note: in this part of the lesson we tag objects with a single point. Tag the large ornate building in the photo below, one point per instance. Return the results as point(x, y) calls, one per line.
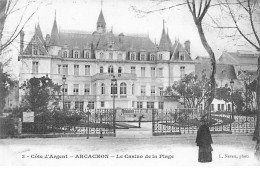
point(89, 61)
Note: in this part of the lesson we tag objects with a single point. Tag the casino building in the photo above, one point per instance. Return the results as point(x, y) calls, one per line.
point(89, 61)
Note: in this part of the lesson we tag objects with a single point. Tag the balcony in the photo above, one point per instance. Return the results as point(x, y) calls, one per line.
point(150, 98)
point(79, 97)
point(118, 76)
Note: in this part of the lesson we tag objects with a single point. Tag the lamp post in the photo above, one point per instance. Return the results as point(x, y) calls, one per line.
point(63, 83)
point(114, 84)
point(232, 104)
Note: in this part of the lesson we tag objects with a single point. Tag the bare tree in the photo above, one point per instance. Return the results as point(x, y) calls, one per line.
point(7, 8)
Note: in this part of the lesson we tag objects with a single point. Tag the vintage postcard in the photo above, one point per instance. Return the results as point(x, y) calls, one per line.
point(131, 83)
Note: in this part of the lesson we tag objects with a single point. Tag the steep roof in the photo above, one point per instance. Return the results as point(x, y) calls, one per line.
point(102, 41)
point(165, 42)
point(54, 41)
point(35, 40)
point(238, 58)
point(223, 71)
point(177, 48)
point(101, 18)
point(39, 32)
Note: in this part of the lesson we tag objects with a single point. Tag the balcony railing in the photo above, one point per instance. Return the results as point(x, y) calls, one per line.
point(150, 97)
point(79, 97)
point(118, 76)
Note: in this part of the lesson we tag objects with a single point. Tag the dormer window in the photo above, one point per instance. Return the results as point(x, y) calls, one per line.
point(181, 56)
point(86, 55)
point(35, 49)
point(160, 56)
point(142, 56)
point(111, 56)
point(65, 54)
point(101, 55)
point(132, 56)
point(152, 57)
point(120, 56)
point(76, 54)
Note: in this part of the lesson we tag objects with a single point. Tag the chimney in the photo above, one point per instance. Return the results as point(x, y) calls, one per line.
point(21, 42)
point(47, 40)
point(187, 46)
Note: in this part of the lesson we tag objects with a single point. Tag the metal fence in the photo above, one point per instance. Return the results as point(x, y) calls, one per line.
point(187, 121)
point(95, 122)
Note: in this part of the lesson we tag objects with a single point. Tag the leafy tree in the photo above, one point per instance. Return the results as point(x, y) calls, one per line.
point(192, 89)
point(41, 94)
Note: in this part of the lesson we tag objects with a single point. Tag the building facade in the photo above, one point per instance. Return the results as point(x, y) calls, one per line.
point(142, 68)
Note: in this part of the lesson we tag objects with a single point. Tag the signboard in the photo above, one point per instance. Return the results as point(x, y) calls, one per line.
point(28, 117)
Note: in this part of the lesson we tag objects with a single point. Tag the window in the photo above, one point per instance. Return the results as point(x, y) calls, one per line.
point(160, 72)
point(120, 56)
point(103, 88)
point(133, 89)
point(110, 69)
point(102, 104)
point(161, 105)
point(133, 103)
point(123, 88)
point(218, 107)
point(86, 55)
point(132, 56)
point(152, 90)
point(113, 89)
point(59, 69)
point(139, 105)
point(87, 89)
point(79, 106)
point(182, 70)
point(182, 56)
point(132, 69)
point(222, 107)
point(200, 106)
point(101, 55)
point(111, 56)
point(87, 70)
point(101, 69)
point(152, 58)
point(35, 49)
point(229, 107)
point(67, 105)
point(142, 90)
point(76, 70)
point(161, 91)
point(142, 57)
point(65, 69)
point(150, 105)
point(142, 71)
point(119, 71)
point(35, 67)
point(76, 89)
point(212, 107)
point(65, 89)
point(65, 54)
point(153, 72)
point(91, 105)
point(76, 54)
point(160, 57)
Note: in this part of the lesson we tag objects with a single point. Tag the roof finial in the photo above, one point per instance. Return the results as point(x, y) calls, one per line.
point(101, 4)
point(163, 23)
point(55, 14)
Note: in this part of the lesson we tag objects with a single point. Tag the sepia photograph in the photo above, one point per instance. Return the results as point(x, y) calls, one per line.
point(129, 83)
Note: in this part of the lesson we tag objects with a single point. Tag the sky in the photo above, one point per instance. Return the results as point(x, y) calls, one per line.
point(82, 15)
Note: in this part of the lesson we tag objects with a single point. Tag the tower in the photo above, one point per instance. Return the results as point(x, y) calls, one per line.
point(101, 23)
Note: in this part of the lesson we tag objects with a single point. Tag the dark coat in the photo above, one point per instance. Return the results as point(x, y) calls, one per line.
point(203, 136)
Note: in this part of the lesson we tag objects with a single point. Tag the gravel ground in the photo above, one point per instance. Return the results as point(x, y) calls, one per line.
point(133, 147)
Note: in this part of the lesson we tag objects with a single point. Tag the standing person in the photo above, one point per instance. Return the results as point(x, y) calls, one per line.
point(204, 142)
